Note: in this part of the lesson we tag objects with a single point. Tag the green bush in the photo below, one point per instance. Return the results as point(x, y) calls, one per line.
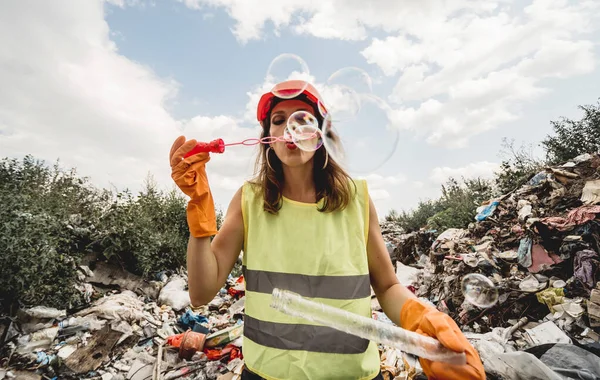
point(415, 219)
point(51, 217)
point(518, 166)
point(147, 233)
point(454, 209)
point(571, 138)
point(47, 219)
point(459, 202)
point(574, 137)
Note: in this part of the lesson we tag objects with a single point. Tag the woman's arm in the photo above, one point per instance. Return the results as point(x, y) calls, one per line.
point(209, 264)
point(399, 303)
point(390, 293)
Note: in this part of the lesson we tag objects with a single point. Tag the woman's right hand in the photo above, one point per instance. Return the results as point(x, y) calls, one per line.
point(190, 176)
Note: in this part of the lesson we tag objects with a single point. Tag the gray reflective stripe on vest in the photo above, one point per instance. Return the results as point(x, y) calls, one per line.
point(303, 337)
point(332, 287)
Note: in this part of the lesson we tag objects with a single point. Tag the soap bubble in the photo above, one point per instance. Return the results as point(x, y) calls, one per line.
point(333, 142)
point(352, 77)
point(288, 67)
point(479, 290)
point(303, 128)
point(342, 93)
point(364, 143)
point(341, 104)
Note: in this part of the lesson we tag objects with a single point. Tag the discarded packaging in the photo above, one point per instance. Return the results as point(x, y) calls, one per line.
point(224, 336)
point(174, 294)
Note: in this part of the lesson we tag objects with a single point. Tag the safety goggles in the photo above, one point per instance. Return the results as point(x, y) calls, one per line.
point(288, 90)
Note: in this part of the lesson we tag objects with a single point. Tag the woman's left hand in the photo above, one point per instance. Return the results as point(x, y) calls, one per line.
point(423, 319)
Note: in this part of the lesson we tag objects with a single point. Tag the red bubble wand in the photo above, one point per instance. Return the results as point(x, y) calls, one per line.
point(218, 145)
point(304, 126)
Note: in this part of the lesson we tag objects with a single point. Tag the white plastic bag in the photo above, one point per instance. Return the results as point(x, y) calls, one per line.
point(174, 295)
point(44, 312)
point(124, 306)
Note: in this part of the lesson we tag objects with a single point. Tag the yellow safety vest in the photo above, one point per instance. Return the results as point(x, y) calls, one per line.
point(321, 256)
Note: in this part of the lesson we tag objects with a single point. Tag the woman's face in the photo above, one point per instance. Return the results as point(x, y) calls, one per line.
point(288, 152)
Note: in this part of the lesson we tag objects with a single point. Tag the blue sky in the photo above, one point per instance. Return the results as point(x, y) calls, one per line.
point(107, 85)
point(202, 54)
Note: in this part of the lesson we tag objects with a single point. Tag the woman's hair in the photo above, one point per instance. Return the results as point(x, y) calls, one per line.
point(332, 184)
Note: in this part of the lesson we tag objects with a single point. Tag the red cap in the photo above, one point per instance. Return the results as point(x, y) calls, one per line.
point(288, 87)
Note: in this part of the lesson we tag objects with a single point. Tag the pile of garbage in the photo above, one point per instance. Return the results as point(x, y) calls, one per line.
point(539, 248)
point(132, 329)
point(391, 232)
point(142, 330)
point(537, 245)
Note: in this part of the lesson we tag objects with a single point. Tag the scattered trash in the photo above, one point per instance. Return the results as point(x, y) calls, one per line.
point(485, 211)
point(123, 335)
point(531, 284)
point(89, 357)
point(593, 307)
point(537, 246)
point(547, 332)
point(587, 267)
point(174, 294)
point(406, 275)
point(43, 312)
point(590, 194)
point(188, 343)
point(225, 336)
point(124, 306)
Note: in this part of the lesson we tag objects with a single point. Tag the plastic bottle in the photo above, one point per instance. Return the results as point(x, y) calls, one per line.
point(422, 346)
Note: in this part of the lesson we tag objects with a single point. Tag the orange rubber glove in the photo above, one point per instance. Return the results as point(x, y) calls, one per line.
point(423, 319)
point(190, 176)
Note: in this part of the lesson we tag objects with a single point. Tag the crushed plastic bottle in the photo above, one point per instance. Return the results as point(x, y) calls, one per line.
point(410, 342)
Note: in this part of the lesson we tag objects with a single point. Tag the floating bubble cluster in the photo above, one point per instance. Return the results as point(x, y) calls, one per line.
point(303, 129)
point(357, 127)
point(357, 130)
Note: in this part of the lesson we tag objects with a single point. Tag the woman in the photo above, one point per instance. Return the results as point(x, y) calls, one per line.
point(305, 226)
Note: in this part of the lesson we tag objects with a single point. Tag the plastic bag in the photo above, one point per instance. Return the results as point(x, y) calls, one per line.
point(124, 306)
point(44, 312)
point(174, 295)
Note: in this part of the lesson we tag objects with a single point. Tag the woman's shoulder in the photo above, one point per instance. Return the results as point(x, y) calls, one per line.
point(358, 184)
point(251, 185)
point(358, 180)
point(250, 190)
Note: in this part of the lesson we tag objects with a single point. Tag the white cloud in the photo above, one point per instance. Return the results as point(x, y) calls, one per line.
point(560, 59)
point(336, 19)
point(468, 66)
point(473, 72)
point(377, 180)
point(73, 96)
point(131, 3)
point(379, 194)
point(418, 184)
point(482, 169)
point(252, 13)
point(379, 186)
